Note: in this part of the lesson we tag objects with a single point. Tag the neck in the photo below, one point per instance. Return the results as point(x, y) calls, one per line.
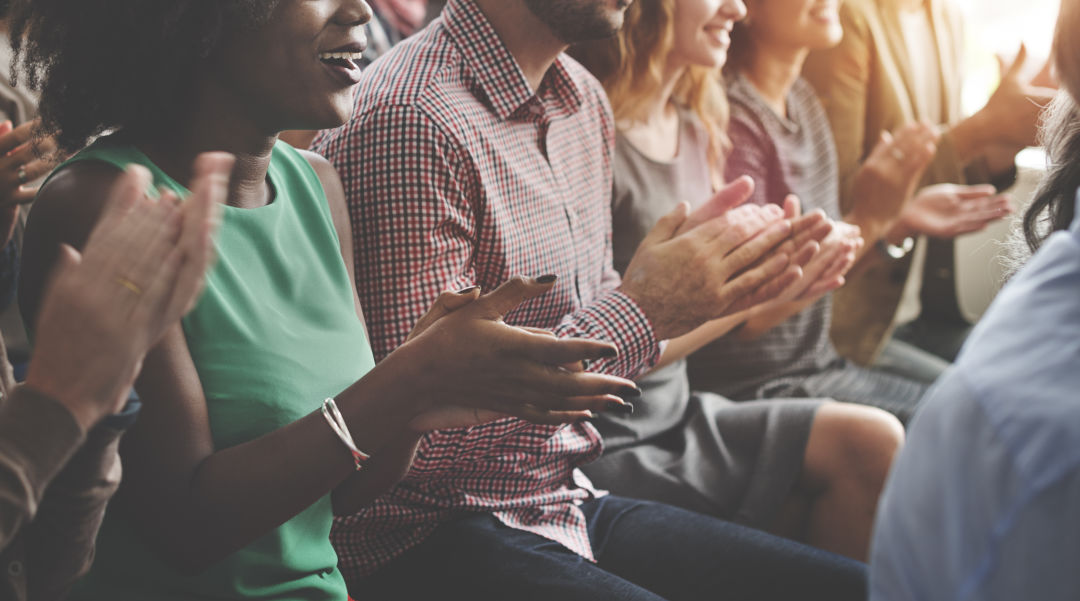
point(659, 106)
point(529, 40)
point(212, 126)
point(773, 71)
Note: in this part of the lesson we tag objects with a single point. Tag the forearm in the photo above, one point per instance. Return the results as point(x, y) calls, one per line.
point(687, 344)
point(37, 437)
point(380, 473)
point(200, 507)
point(965, 141)
point(60, 541)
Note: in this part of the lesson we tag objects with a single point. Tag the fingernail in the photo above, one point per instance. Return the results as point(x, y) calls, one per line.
point(623, 407)
point(631, 391)
point(609, 352)
point(547, 279)
point(468, 289)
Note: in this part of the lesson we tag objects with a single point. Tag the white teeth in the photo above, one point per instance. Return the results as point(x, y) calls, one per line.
point(352, 56)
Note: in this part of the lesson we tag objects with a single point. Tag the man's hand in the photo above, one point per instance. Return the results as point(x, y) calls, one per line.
point(684, 274)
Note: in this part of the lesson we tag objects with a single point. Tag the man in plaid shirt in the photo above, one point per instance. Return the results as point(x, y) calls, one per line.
point(478, 152)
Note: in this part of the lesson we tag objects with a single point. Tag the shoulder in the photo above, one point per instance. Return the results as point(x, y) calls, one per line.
point(73, 198)
point(857, 14)
point(331, 185)
point(64, 212)
point(746, 125)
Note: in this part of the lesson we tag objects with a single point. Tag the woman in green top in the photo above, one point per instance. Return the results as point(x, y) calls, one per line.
point(232, 474)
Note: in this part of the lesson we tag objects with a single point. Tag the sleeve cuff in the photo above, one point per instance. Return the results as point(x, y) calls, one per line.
point(616, 317)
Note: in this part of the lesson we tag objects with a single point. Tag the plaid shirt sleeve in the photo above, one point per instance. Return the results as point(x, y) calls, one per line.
point(418, 209)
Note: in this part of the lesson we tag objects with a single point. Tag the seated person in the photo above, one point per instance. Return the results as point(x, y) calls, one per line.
point(262, 409)
point(668, 146)
point(983, 503)
point(780, 136)
point(60, 430)
point(478, 150)
point(900, 62)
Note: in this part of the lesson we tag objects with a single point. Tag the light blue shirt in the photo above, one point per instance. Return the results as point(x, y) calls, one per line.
point(984, 500)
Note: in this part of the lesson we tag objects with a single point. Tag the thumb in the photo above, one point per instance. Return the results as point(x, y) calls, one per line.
point(1013, 72)
point(445, 304)
point(512, 293)
point(727, 198)
point(667, 226)
point(67, 259)
point(792, 207)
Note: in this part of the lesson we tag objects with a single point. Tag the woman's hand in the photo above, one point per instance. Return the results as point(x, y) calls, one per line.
point(142, 269)
point(21, 162)
point(469, 367)
point(889, 175)
point(949, 210)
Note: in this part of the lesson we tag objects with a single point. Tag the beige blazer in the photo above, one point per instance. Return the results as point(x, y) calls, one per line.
point(865, 85)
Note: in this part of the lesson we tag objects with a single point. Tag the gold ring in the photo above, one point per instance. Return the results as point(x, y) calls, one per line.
point(126, 283)
point(21, 174)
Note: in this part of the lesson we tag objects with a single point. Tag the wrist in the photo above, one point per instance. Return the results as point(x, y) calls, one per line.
point(969, 137)
point(87, 414)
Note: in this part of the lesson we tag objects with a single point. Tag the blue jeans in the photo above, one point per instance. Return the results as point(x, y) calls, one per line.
point(645, 551)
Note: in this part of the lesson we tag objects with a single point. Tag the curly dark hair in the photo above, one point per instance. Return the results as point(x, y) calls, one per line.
point(103, 65)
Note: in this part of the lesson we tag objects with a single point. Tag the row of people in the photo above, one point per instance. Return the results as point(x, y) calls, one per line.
point(477, 151)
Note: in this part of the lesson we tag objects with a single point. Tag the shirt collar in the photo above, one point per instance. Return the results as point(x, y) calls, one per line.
point(497, 75)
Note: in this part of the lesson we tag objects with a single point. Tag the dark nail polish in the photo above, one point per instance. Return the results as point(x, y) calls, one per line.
point(633, 393)
point(468, 289)
point(547, 279)
point(623, 408)
point(609, 353)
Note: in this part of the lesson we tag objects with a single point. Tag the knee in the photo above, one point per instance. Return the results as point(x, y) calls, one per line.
point(851, 442)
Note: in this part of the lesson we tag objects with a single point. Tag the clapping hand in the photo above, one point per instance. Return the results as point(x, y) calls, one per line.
point(21, 162)
point(949, 210)
point(473, 368)
point(889, 175)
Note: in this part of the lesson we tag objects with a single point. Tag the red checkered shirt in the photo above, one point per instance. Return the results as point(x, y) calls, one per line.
point(457, 173)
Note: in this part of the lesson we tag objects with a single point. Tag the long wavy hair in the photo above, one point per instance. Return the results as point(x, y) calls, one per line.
point(631, 65)
point(1054, 203)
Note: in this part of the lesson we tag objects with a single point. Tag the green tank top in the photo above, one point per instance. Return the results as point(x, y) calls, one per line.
point(274, 334)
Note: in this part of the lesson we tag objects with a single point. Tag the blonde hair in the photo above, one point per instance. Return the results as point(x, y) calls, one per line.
point(631, 65)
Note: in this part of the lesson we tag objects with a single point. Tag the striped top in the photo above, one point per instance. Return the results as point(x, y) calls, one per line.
point(793, 155)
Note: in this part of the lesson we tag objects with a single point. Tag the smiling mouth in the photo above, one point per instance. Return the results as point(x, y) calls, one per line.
point(347, 60)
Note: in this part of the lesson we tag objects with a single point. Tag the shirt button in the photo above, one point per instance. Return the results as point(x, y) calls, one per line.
point(15, 568)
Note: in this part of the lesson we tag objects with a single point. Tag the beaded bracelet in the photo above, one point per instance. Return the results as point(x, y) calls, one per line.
point(337, 424)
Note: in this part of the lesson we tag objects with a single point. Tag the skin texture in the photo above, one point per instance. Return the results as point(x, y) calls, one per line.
point(198, 504)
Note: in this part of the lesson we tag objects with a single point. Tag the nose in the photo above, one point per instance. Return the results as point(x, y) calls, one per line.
point(734, 9)
point(353, 13)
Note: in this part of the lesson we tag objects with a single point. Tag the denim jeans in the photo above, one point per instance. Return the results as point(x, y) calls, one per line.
point(645, 551)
